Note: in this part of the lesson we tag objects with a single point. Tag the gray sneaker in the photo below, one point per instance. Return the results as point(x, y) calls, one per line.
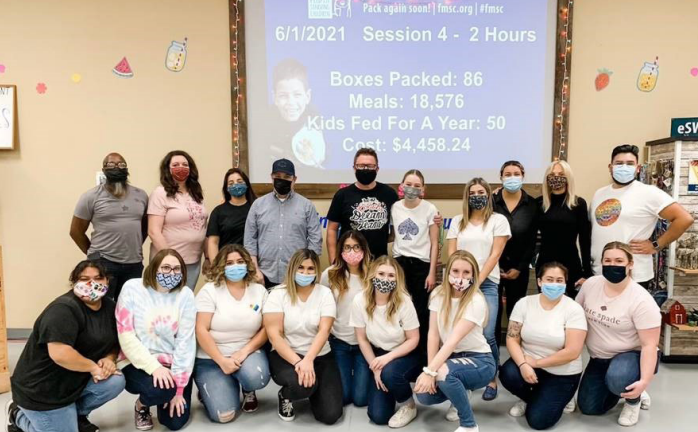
point(144, 420)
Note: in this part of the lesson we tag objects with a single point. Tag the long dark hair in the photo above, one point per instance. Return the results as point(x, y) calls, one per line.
point(82, 265)
point(338, 274)
point(170, 184)
point(249, 195)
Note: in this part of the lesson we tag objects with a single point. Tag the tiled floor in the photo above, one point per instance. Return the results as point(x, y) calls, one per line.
point(674, 394)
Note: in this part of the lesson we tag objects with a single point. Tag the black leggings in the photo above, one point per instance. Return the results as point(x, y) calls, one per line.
point(325, 395)
point(416, 272)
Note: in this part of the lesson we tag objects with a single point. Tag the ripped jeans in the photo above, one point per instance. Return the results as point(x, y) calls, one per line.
point(466, 371)
point(220, 393)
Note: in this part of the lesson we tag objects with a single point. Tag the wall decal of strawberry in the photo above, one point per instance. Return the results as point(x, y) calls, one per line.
point(123, 69)
point(603, 79)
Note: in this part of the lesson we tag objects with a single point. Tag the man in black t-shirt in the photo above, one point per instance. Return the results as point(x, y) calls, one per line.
point(68, 366)
point(363, 206)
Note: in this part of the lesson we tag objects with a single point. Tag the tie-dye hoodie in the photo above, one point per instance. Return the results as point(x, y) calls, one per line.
point(157, 329)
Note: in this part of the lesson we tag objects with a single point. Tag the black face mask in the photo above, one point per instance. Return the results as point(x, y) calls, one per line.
point(614, 274)
point(366, 176)
point(116, 175)
point(281, 186)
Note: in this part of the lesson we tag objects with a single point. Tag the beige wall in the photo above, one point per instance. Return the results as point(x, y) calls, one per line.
point(66, 132)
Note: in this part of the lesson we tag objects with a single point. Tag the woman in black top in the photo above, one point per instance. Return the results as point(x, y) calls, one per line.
point(67, 368)
point(227, 222)
point(521, 210)
point(563, 222)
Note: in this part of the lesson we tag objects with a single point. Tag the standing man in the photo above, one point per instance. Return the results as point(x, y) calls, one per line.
point(628, 210)
point(363, 206)
point(280, 223)
point(117, 212)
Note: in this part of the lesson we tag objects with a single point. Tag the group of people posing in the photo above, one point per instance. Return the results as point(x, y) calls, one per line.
point(373, 329)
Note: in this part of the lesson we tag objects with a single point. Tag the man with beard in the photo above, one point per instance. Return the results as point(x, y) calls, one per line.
point(280, 223)
point(117, 212)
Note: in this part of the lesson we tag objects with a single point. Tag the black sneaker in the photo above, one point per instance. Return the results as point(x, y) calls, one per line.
point(286, 409)
point(11, 410)
point(84, 425)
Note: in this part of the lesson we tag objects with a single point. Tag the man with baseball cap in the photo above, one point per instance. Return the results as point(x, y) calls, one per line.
point(280, 223)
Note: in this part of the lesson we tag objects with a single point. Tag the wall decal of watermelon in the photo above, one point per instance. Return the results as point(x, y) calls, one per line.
point(123, 69)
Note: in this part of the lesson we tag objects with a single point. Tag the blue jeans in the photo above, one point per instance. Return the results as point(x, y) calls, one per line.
point(221, 393)
point(396, 376)
point(140, 383)
point(466, 371)
point(605, 379)
point(66, 419)
point(546, 400)
point(354, 371)
point(491, 292)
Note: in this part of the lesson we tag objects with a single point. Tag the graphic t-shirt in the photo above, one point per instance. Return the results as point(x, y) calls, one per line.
point(367, 211)
point(412, 229)
point(626, 214)
point(614, 321)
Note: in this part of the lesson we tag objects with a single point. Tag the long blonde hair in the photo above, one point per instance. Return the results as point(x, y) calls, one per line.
point(445, 291)
point(396, 297)
point(293, 264)
point(489, 209)
point(570, 196)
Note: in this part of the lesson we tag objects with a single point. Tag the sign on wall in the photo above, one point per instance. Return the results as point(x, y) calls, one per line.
point(684, 127)
point(8, 117)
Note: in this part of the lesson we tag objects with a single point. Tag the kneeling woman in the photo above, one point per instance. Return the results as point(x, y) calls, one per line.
point(230, 334)
point(298, 317)
point(460, 359)
point(624, 325)
point(67, 368)
point(156, 320)
point(545, 340)
point(387, 328)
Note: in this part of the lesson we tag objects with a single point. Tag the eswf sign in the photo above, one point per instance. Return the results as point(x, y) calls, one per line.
point(684, 127)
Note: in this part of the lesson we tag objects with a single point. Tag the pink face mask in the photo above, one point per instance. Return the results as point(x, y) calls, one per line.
point(92, 290)
point(460, 284)
point(352, 257)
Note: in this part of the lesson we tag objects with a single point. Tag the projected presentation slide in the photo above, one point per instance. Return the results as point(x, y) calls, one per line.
point(452, 88)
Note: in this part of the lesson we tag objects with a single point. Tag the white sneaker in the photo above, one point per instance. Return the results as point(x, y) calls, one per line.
point(403, 416)
point(570, 407)
point(630, 415)
point(452, 414)
point(645, 401)
point(467, 429)
point(518, 410)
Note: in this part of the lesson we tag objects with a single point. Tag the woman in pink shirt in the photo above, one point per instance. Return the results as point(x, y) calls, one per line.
point(624, 324)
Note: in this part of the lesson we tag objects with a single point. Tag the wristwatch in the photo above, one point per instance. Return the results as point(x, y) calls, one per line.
point(655, 245)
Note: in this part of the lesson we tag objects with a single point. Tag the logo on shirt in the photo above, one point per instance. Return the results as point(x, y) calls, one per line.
point(608, 212)
point(369, 214)
point(407, 229)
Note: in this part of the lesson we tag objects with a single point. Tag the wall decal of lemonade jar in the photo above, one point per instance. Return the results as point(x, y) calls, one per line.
point(647, 80)
point(176, 56)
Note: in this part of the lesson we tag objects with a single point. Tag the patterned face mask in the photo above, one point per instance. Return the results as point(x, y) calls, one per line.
point(353, 257)
point(460, 284)
point(383, 285)
point(168, 281)
point(478, 202)
point(91, 289)
point(556, 182)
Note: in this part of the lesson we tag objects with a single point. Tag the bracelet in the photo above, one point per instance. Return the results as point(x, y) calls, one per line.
point(522, 363)
point(429, 372)
point(294, 364)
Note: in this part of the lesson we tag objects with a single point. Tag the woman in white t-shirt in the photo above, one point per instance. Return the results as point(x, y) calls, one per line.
point(460, 358)
point(624, 326)
point(483, 233)
point(416, 246)
point(545, 340)
point(298, 317)
point(230, 334)
point(387, 328)
point(346, 280)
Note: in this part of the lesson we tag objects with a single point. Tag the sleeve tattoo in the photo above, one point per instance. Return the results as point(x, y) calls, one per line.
point(514, 330)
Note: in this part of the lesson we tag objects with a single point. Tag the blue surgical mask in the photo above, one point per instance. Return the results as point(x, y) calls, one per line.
point(237, 190)
point(304, 279)
point(624, 174)
point(553, 291)
point(235, 272)
point(513, 184)
point(168, 281)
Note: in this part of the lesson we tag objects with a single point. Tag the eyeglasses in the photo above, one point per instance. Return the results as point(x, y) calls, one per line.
point(112, 165)
point(366, 167)
point(355, 248)
point(166, 269)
